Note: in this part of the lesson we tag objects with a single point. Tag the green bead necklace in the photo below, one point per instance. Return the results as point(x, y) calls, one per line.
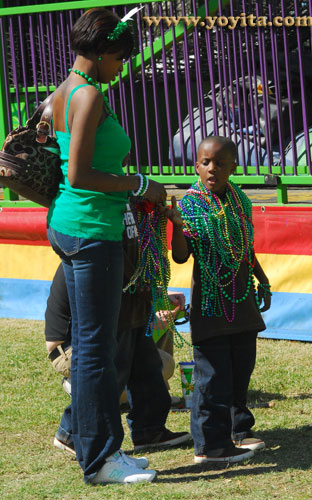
point(90, 80)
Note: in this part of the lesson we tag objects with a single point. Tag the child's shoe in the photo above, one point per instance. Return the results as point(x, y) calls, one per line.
point(227, 455)
point(66, 384)
point(251, 443)
point(162, 438)
point(61, 445)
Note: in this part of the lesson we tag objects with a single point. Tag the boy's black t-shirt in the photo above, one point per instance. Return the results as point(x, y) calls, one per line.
point(246, 317)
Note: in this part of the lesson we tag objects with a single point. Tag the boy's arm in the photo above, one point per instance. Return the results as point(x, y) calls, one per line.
point(180, 251)
point(264, 293)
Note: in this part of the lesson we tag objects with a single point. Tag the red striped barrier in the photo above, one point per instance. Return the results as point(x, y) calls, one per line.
point(23, 226)
point(278, 230)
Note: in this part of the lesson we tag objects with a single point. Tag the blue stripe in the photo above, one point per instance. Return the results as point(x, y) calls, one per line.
point(289, 317)
point(24, 299)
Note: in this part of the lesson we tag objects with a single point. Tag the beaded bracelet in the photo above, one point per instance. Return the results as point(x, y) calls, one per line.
point(265, 287)
point(144, 182)
point(136, 193)
point(145, 188)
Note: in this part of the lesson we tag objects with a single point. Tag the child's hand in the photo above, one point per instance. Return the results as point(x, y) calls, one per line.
point(163, 318)
point(264, 297)
point(177, 299)
point(172, 213)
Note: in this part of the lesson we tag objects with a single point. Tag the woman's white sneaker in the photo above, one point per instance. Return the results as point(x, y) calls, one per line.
point(140, 463)
point(117, 469)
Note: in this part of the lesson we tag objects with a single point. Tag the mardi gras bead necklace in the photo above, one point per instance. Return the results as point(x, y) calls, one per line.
point(153, 267)
point(222, 237)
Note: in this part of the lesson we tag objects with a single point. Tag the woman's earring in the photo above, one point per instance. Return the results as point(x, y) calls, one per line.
point(99, 58)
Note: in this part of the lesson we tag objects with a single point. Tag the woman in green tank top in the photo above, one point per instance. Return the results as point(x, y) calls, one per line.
point(85, 229)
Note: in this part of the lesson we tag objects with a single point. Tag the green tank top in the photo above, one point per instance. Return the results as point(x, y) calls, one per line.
point(90, 214)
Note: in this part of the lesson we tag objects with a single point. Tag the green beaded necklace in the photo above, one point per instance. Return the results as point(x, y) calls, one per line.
point(90, 80)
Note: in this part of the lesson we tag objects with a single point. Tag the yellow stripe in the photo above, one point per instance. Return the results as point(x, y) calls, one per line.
point(181, 274)
point(287, 273)
point(28, 262)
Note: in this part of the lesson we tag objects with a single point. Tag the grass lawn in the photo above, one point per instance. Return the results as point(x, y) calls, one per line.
point(32, 400)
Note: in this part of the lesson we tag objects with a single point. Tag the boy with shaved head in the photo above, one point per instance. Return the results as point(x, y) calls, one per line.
point(213, 222)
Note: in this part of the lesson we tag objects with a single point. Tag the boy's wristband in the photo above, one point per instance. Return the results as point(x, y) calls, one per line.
point(266, 287)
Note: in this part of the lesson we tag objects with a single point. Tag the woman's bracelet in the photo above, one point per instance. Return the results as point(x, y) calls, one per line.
point(145, 187)
point(144, 182)
point(136, 193)
point(266, 287)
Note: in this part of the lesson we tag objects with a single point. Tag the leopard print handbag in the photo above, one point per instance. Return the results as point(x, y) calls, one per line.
point(29, 158)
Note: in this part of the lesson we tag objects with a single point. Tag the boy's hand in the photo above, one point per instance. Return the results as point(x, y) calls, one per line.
point(172, 213)
point(265, 298)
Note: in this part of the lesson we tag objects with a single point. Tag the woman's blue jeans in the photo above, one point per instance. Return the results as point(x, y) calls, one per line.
point(223, 367)
point(94, 273)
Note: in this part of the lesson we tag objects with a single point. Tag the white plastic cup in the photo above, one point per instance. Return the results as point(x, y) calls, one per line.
point(187, 381)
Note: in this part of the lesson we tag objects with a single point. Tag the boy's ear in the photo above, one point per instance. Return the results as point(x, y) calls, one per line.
point(196, 167)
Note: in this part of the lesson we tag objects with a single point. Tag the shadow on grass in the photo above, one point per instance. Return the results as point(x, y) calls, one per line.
point(259, 397)
point(255, 397)
point(285, 449)
point(183, 446)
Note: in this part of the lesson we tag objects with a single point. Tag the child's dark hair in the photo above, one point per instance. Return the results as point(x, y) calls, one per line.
point(89, 34)
point(226, 143)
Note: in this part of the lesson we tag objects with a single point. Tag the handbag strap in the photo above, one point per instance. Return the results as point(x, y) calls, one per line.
point(12, 162)
point(41, 119)
point(43, 113)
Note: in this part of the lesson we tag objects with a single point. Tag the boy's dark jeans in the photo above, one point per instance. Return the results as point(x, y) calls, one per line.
point(223, 367)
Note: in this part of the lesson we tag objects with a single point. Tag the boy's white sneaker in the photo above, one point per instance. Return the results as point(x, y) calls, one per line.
point(117, 469)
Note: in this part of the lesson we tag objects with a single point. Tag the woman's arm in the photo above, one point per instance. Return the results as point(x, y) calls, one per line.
point(86, 111)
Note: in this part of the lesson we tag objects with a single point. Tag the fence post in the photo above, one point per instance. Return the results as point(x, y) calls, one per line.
point(282, 195)
point(4, 127)
point(3, 114)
